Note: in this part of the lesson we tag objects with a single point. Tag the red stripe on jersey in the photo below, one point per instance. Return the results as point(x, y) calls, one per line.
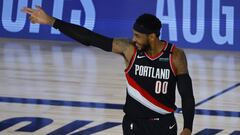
point(159, 54)
point(146, 95)
point(131, 61)
point(171, 61)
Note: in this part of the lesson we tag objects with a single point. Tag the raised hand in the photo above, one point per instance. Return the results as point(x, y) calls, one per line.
point(38, 15)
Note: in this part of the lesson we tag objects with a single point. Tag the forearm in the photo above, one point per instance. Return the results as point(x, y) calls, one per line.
point(188, 103)
point(83, 35)
point(188, 107)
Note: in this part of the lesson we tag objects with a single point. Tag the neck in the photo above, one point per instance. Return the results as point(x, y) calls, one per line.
point(155, 47)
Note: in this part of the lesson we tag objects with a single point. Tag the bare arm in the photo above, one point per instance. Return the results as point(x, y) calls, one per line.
point(180, 61)
point(124, 48)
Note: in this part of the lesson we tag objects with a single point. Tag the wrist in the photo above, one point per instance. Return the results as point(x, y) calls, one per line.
point(51, 21)
point(188, 130)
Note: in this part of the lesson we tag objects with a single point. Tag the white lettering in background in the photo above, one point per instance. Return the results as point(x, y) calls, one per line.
point(187, 10)
point(76, 15)
point(7, 21)
point(170, 19)
point(58, 7)
point(57, 12)
point(217, 12)
point(34, 28)
point(229, 13)
point(90, 13)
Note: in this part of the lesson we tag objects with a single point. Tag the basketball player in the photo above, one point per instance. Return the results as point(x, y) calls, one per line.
point(153, 68)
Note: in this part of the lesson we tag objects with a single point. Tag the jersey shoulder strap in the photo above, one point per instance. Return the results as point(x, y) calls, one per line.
point(169, 49)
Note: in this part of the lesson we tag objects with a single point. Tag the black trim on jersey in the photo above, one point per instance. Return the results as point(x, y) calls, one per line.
point(168, 49)
point(173, 68)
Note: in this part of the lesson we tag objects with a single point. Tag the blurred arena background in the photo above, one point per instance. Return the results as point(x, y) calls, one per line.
point(50, 84)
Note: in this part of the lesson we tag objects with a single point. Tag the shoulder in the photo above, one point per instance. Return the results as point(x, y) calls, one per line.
point(120, 45)
point(130, 51)
point(124, 47)
point(178, 53)
point(180, 61)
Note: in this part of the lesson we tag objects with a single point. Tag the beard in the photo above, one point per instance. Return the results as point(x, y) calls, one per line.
point(145, 47)
point(142, 47)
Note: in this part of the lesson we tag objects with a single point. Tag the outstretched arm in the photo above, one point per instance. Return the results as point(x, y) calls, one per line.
point(185, 89)
point(81, 34)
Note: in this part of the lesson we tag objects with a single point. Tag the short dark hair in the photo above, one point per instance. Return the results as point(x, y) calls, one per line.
point(147, 24)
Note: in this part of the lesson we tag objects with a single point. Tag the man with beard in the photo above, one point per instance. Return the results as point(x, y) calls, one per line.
point(153, 69)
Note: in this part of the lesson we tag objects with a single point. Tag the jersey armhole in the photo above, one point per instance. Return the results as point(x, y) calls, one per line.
point(173, 68)
point(131, 61)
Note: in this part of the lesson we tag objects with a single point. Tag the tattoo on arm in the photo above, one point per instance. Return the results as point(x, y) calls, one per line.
point(123, 47)
point(120, 45)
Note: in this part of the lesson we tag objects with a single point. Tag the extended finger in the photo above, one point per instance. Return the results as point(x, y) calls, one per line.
point(28, 10)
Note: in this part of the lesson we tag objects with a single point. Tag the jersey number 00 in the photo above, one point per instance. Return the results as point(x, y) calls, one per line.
point(161, 87)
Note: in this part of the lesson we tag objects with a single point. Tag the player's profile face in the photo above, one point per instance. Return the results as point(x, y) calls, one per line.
point(140, 40)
